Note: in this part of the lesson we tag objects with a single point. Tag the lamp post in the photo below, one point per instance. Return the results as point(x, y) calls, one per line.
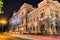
point(3, 22)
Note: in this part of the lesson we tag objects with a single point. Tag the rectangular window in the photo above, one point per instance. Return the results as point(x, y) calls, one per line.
point(22, 22)
point(33, 19)
point(42, 15)
point(28, 11)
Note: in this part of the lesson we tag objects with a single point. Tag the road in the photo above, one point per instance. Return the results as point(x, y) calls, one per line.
point(28, 37)
point(39, 37)
point(6, 37)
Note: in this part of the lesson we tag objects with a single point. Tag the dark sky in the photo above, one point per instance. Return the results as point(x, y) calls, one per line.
point(10, 5)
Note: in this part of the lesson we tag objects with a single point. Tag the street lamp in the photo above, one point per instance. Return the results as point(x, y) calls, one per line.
point(3, 22)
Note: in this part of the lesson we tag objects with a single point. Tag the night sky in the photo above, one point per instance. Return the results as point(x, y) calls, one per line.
point(10, 5)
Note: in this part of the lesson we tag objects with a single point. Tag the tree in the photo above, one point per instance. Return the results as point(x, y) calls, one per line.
point(1, 5)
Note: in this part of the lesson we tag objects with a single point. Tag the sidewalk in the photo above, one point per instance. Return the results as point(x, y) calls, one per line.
point(38, 37)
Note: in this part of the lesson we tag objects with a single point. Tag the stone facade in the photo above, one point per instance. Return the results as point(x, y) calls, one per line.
point(44, 19)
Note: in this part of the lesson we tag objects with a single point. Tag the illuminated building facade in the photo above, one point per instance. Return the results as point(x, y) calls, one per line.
point(44, 19)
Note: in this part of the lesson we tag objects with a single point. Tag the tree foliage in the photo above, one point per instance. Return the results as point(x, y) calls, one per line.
point(1, 5)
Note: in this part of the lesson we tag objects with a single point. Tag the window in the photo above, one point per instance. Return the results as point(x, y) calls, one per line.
point(28, 11)
point(22, 22)
point(33, 19)
point(56, 15)
point(22, 13)
point(37, 18)
point(42, 15)
point(33, 28)
point(42, 27)
point(30, 20)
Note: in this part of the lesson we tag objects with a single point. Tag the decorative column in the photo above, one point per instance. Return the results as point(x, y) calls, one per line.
point(54, 23)
point(35, 26)
point(49, 17)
